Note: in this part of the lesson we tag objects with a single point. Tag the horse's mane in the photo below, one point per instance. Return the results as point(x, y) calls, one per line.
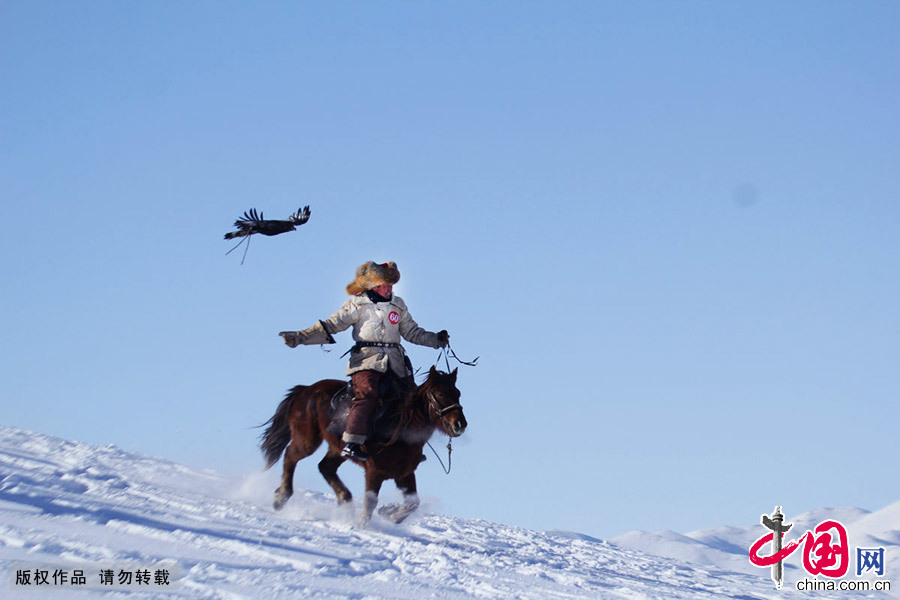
point(413, 408)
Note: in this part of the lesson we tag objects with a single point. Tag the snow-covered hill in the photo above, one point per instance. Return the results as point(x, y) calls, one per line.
point(68, 504)
point(726, 547)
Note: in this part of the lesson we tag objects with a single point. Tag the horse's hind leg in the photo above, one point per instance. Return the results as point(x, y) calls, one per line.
point(328, 467)
point(295, 452)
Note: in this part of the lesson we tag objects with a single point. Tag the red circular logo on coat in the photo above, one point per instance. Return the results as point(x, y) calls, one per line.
point(394, 317)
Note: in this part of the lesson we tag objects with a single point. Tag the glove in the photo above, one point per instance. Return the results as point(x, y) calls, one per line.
point(316, 334)
point(443, 338)
point(291, 338)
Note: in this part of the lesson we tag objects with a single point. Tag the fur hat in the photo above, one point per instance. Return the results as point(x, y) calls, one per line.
point(371, 274)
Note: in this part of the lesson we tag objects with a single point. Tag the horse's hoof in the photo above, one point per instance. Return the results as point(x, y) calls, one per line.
point(397, 513)
point(280, 501)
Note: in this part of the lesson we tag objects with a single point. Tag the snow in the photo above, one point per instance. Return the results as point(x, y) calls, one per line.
point(69, 503)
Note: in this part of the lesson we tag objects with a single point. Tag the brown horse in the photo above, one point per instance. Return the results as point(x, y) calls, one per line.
point(301, 423)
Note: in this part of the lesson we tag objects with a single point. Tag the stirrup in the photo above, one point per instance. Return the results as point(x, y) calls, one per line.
point(352, 450)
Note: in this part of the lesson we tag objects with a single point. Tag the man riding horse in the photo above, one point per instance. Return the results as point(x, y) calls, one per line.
point(379, 319)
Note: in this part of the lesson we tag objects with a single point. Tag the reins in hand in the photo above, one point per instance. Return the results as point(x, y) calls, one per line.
point(448, 353)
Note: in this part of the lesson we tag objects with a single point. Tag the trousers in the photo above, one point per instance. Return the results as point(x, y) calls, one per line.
point(365, 400)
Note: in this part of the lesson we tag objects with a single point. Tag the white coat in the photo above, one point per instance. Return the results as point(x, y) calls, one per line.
point(385, 322)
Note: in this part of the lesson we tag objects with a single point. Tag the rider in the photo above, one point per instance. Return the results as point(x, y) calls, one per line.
point(379, 318)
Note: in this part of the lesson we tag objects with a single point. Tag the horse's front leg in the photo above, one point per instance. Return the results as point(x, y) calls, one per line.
point(373, 486)
point(407, 485)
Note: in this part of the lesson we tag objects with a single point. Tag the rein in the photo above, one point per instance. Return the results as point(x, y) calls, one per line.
point(449, 452)
point(448, 353)
point(441, 412)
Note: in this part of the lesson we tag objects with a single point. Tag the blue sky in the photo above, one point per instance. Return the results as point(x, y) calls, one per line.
point(670, 230)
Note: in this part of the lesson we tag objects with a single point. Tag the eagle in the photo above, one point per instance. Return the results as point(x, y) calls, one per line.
point(255, 222)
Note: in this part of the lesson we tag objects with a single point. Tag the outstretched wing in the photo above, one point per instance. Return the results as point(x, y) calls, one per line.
point(246, 225)
point(300, 217)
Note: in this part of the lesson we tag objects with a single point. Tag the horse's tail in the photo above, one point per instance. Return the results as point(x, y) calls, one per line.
point(277, 435)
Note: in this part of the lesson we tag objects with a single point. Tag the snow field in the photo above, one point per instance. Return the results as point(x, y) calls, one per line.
point(64, 502)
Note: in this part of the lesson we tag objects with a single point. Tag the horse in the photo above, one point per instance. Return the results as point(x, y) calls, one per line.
point(301, 423)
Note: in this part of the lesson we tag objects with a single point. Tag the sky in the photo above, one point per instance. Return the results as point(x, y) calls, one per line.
point(669, 230)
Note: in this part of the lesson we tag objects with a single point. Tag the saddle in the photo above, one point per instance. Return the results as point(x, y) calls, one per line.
point(385, 418)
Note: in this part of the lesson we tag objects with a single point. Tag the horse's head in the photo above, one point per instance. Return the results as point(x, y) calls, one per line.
point(442, 398)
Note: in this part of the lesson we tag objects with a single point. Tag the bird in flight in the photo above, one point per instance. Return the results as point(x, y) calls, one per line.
point(252, 222)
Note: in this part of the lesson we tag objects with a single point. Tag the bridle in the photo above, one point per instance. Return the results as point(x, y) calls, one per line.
point(442, 411)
